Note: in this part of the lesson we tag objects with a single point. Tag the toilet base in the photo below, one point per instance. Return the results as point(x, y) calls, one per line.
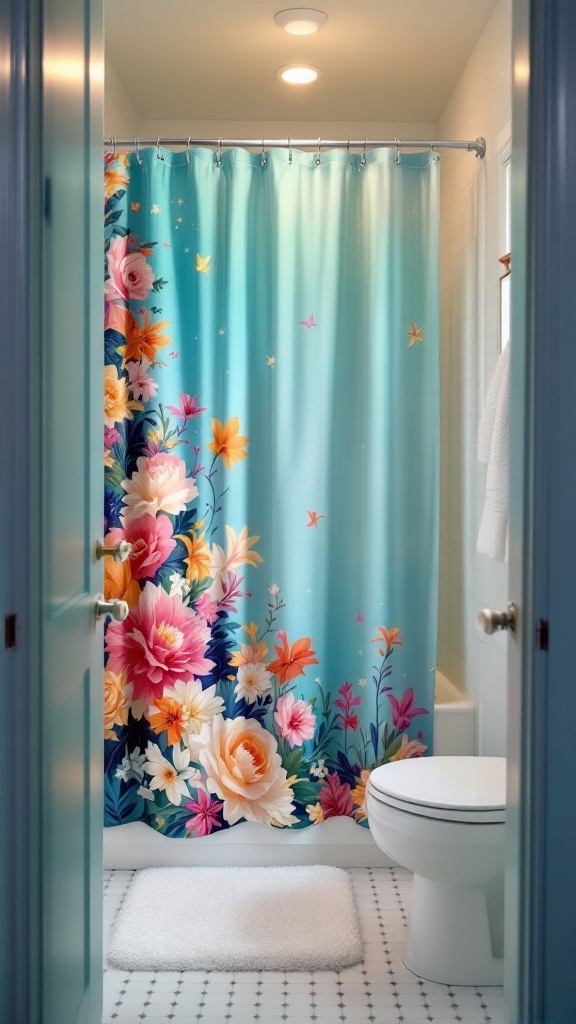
point(449, 937)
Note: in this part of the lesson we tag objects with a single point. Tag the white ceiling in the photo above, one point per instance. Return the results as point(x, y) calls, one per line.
point(381, 60)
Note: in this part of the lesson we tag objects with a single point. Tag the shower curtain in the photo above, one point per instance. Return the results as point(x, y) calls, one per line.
point(271, 451)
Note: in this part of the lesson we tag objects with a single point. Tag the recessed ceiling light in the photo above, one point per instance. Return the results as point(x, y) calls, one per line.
point(301, 21)
point(298, 74)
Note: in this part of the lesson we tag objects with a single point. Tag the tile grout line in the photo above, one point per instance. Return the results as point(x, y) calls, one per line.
point(384, 939)
point(486, 1017)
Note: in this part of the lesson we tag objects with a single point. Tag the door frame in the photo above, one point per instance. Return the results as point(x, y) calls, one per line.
point(542, 893)
point(20, 528)
point(24, 202)
point(542, 707)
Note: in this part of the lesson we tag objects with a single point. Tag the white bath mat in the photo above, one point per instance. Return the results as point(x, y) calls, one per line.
point(237, 919)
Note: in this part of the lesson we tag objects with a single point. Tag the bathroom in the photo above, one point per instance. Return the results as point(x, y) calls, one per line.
point(465, 93)
point(51, 584)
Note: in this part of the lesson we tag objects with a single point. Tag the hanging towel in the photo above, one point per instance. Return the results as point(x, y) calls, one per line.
point(493, 452)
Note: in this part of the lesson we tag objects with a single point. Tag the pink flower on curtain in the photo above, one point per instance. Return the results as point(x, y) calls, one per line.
point(205, 814)
point(141, 385)
point(230, 584)
point(336, 798)
point(404, 712)
point(131, 277)
point(187, 409)
point(111, 435)
point(161, 642)
point(207, 608)
point(346, 702)
point(294, 720)
point(152, 543)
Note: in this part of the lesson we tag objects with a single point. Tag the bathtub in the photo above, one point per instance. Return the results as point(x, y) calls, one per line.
point(338, 841)
point(454, 719)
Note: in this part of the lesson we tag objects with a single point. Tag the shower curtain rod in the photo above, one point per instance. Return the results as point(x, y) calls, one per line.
point(478, 146)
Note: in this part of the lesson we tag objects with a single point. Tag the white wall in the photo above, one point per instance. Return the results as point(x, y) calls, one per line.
point(121, 117)
point(124, 120)
point(152, 129)
point(470, 247)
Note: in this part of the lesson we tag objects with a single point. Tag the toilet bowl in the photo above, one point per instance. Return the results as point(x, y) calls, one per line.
point(444, 818)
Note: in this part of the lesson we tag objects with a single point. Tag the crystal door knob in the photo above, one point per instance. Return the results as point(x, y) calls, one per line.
point(117, 609)
point(491, 619)
point(119, 552)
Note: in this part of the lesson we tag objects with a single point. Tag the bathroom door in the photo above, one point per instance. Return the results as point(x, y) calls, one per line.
point(70, 507)
point(541, 896)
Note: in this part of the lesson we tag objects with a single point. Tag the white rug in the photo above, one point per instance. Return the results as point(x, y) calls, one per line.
point(237, 919)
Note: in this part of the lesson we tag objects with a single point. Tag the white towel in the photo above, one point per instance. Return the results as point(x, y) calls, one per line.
point(493, 452)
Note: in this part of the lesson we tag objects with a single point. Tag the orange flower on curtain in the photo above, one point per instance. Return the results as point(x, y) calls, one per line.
point(292, 661)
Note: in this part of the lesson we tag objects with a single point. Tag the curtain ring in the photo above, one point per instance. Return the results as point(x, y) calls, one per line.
point(114, 140)
point(363, 157)
point(219, 154)
point(397, 141)
point(137, 144)
point(188, 150)
point(263, 156)
point(348, 147)
point(158, 154)
point(318, 153)
point(289, 151)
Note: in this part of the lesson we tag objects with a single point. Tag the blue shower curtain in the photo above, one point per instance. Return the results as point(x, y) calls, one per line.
point(271, 449)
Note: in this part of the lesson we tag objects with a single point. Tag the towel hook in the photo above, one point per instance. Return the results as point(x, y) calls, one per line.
point(263, 156)
point(318, 153)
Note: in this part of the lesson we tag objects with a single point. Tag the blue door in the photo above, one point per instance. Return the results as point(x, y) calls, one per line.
point(72, 488)
point(541, 894)
point(52, 423)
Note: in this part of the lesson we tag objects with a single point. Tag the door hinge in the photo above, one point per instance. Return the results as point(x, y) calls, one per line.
point(542, 635)
point(47, 198)
point(10, 630)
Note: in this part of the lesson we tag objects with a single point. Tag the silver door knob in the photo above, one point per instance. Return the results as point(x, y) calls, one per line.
point(117, 609)
point(119, 552)
point(491, 619)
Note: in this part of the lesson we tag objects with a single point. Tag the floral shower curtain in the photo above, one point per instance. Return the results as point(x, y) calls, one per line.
point(271, 450)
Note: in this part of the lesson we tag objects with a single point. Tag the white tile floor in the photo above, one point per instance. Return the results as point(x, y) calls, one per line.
point(379, 991)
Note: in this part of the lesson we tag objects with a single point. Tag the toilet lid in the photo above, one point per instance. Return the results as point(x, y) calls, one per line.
point(458, 788)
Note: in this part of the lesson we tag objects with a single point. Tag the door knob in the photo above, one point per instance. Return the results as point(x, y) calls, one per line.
point(117, 609)
point(119, 552)
point(492, 619)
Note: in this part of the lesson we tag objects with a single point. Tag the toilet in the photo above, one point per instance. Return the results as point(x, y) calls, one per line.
point(444, 818)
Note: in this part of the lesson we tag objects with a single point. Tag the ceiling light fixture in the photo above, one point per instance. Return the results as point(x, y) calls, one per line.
point(301, 21)
point(298, 74)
